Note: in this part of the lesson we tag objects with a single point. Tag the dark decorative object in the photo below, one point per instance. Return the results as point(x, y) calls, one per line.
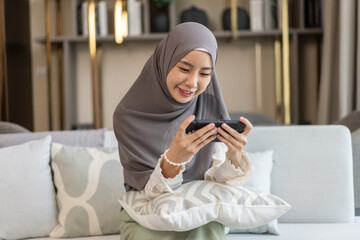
point(159, 10)
point(243, 19)
point(160, 22)
point(194, 14)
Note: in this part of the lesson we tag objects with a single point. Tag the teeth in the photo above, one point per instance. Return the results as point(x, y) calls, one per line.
point(185, 91)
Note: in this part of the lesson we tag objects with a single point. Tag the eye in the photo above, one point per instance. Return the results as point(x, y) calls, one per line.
point(205, 74)
point(183, 69)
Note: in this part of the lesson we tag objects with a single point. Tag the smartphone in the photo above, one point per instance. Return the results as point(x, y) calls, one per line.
point(198, 124)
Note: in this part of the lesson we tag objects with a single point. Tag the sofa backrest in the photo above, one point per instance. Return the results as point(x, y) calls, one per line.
point(87, 138)
point(312, 170)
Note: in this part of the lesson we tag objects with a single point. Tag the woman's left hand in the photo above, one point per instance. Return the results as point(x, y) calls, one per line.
point(234, 140)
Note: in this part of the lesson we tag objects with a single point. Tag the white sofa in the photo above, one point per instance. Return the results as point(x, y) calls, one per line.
point(312, 171)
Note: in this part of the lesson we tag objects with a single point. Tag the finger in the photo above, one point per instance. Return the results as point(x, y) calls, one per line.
point(227, 143)
point(234, 133)
point(229, 138)
point(202, 131)
point(248, 124)
point(186, 123)
point(205, 142)
point(205, 135)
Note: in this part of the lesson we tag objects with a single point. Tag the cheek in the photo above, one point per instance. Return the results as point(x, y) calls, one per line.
point(203, 84)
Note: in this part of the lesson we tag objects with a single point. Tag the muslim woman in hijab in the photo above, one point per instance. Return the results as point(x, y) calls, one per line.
point(177, 85)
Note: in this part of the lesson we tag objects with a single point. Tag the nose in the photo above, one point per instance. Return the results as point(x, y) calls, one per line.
point(192, 80)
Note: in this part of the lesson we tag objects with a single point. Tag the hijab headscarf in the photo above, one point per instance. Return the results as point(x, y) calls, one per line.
point(148, 117)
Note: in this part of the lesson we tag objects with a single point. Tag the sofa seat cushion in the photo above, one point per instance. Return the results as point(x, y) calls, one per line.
point(104, 237)
point(301, 231)
point(293, 231)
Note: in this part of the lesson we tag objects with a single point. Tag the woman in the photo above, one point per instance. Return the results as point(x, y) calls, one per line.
point(177, 85)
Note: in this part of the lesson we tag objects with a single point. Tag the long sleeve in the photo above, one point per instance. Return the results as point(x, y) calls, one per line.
point(224, 171)
point(158, 184)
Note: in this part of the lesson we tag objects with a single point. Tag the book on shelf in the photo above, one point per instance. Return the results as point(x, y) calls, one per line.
point(257, 15)
point(270, 14)
point(84, 18)
point(279, 13)
point(134, 8)
point(101, 17)
point(313, 13)
point(79, 19)
point(264, 14)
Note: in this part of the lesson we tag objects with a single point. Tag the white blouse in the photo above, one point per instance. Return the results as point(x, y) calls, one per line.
point(222, 170)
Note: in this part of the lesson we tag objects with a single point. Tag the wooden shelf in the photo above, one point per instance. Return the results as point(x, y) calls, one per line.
point(159, 36)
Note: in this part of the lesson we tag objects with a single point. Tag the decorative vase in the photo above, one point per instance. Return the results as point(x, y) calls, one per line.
point(160, 22)
point(194, 14)
point(243, 19)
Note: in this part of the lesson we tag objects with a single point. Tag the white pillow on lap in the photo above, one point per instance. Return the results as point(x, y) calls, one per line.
point(197, 203)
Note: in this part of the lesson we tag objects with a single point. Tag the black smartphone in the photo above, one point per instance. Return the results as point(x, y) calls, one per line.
point(197, 124)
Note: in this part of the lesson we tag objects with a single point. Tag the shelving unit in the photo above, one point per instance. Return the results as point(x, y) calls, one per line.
point(158, 36)
point(69, 42)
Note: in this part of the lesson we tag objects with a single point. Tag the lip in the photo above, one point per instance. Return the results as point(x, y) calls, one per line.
point(185, 94)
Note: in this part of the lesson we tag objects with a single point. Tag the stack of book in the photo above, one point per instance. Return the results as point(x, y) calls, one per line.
point(267, 14)
point(134, 9)
point(101, 16)
point(264, 14)
point(313, 13)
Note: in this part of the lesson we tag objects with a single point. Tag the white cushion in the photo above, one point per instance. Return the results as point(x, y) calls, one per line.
point(89, 181)
point(355, 136)
point(260, 179)
point(27, 195)
point(196, 203)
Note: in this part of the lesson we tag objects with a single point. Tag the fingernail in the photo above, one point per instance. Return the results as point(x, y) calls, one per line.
point(224, 125)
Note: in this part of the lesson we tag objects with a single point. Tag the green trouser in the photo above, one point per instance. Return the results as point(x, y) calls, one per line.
point(131, 230)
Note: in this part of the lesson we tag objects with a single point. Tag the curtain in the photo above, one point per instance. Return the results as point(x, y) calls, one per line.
point(339, 89)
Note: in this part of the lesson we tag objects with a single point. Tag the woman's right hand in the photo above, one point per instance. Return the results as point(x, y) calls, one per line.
point(185, 145)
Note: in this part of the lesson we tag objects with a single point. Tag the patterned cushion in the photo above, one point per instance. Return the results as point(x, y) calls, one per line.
point(196, 203)
point(89, 182)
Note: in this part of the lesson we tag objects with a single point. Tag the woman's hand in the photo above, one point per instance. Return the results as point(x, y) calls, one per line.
point(234, 140)
point(185, 145)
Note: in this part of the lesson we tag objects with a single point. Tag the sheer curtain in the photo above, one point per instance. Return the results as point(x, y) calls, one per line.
point(339, 92)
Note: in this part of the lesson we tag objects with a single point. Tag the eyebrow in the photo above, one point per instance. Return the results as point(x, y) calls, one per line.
point(190, 65)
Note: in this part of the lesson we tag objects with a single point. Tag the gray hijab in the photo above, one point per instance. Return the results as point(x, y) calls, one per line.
point(147, 118)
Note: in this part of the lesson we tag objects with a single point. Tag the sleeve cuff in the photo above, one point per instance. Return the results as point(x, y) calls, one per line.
point(245, 168)
point(171, 182)
point(158, 184)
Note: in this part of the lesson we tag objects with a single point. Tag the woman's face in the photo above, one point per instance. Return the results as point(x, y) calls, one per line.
point(190, 76)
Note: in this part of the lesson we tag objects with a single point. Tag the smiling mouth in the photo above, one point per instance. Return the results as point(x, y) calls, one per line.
point(185, 93)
